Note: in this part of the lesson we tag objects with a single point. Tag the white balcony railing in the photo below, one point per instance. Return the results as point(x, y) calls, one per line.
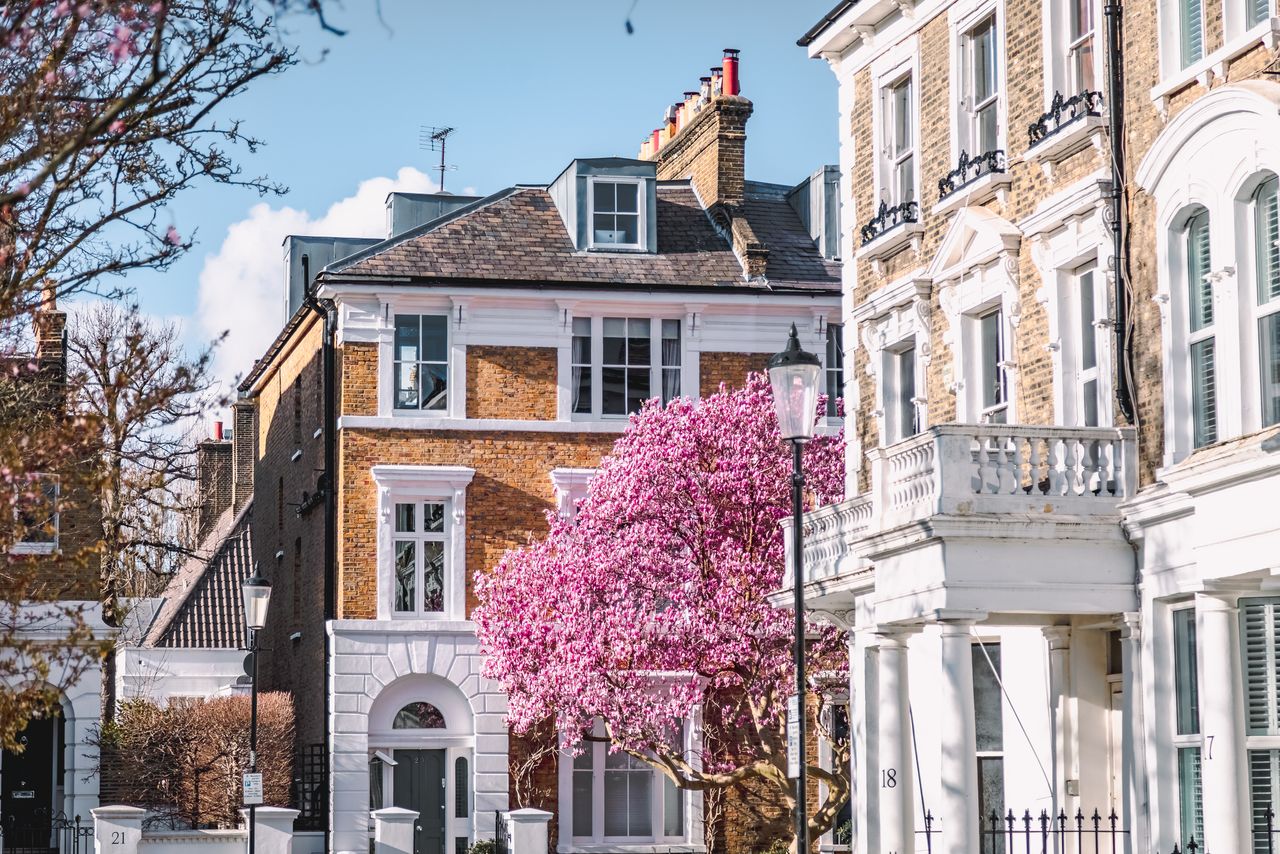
point(977, 470)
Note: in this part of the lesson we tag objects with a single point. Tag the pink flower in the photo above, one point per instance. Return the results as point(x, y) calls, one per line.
point(62, 9)
point(24, 189)
point(117, 126)
point(120, 47)
point(172, 237)
point(50, 77)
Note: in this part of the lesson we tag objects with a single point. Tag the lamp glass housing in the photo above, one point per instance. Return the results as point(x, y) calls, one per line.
point(795, 395)
point(256, 591)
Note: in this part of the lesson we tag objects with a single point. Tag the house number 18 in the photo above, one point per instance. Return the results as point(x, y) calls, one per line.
point(889, 778)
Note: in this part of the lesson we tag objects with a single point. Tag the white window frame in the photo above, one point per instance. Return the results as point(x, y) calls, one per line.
point(1179, 741)
point(1235, 17)
point(1206, 333)
point(689, 840)
point(895, 405)
point(965, 133)
point(641, 214)
point(410, 483)
point(896, 317)
point(1079, 329)
point(357, 324)
point(977, 363)
point(895, 161)
point(900, 62)
point(687, 385)
point(1254, 312)
point(838, 330)
point(449, 389)
point(27, 547)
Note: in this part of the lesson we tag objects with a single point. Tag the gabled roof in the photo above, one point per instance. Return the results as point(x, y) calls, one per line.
point(517, 236)
point(202, 603)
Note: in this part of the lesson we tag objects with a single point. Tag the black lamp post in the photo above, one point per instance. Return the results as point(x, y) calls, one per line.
point(256, 591)
point(794, 373)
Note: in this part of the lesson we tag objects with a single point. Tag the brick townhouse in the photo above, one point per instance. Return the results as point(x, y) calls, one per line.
point(483, 358)
point(1062, 314)
point(55, 557)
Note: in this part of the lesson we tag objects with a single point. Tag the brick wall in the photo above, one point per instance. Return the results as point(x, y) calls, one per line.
point(511, 382)
point(731, 369)
point(711, 151)
point(357, 368)
point(214, 466)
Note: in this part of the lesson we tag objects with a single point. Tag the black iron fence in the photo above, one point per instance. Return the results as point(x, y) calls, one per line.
point(501, 833)
point(970, 169)
point(61, 834)
point(310, 788)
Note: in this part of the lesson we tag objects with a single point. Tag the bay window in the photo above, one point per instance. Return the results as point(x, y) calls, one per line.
point(1204, 384)
point(1187, 739)
point(421, 370)
point(617, 363)
point(1266, 210)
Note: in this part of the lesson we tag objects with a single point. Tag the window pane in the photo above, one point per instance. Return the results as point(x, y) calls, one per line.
point(613, 387)
point(639, 803)
point(1204, 394)
point(1191, 22)
point(615, 341)
point(1089, 391)
point(433, 577)
point(435, 386)
point(638, 345)
point(984, 62)
point(461, 785)
point(404, 519)
point(988, 128)
point(1260, 630)
point(581, 388)
point(418, 715)
point(582, 781)
point(637, 388)
point(433, 517)
point(615, 803)
point(1198, 267)
point(582, 326)
point(672, 808)
point(906, 182)
point(988, 707)
point(435, 338)
point(627, 198)
point(991, 802)
point(407, 337)
point(1269, 367)
point(1088, 335)
point(582, 348)
point(1264, 795)
point(1190, 808)
point(375, 784)
point(992, 379)
point(1082, 66)
point(606, 196)
point(628, 228)
point(835, 368)
point(406, 385)
point(902, 132)
point(405, 566)
point(1081, 18)
point(1186, 681)
point(605, 229)
point(906, 391)
point(1267, 239)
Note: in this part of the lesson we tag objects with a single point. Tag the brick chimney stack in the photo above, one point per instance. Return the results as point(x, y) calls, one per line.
point(710, 151)
point(243, 442)
point(50, 325)
point(213, 472)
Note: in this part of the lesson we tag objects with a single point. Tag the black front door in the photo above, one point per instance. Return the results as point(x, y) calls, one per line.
point(27, 790)
point(419, 785)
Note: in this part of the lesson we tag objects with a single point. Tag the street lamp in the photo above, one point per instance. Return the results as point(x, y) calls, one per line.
point(256, 592)
point(793, 373)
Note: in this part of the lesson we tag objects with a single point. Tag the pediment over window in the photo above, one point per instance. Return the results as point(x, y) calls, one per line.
point(977, 236)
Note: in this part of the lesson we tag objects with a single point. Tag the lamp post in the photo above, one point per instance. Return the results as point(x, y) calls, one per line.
point(793, 373)
point(256, 591)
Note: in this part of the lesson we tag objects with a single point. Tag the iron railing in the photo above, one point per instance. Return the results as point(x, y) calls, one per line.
point(310, 789)
point(969, 170)
point(1063, 112)
point(501, 833)
point(888, 218)
point(58, 834)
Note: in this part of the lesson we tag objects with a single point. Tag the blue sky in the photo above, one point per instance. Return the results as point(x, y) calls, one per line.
point(528, 86)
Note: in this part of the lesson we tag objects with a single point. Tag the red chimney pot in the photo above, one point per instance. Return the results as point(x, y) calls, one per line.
point(731, 86)
point(217, 431)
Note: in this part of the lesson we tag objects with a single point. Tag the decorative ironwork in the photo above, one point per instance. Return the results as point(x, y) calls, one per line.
point(888, 218)
point(1063, 112)
point(501, 833)
point(970, 169)
point(56, 835)
point(310, 788)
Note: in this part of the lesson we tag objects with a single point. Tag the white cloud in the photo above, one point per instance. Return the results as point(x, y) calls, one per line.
point(242, 285)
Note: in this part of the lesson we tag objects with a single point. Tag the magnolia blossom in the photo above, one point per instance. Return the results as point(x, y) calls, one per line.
point(652, 605)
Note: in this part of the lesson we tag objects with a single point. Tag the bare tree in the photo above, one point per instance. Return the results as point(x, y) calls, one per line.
point(132, 376)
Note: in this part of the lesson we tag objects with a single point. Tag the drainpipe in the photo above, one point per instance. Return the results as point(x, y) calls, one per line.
point(325, 309)
point(1113, 12)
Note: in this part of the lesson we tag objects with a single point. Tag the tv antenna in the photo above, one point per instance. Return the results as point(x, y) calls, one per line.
point(433, 139)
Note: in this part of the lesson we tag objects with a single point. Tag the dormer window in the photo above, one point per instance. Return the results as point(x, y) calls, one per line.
point(617, 220)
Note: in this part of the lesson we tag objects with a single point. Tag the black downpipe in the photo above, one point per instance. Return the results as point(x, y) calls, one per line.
point(328, 365)
point(1113, 12)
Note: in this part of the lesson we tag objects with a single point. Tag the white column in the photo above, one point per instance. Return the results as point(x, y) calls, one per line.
point(958, 813)
point(273, 829)
point(393, 830)
point(117, 830)
point(1061, 724)
point(1133, 768)
point(529, 831)
point(1225, 799)
point(897, 821)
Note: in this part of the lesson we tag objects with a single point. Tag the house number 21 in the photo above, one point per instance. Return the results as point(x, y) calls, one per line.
point(117, 837)
point(889, 778)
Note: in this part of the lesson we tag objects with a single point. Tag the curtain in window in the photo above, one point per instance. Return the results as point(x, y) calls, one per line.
point(670, 360)
point(1191, 24)
point(581, 362)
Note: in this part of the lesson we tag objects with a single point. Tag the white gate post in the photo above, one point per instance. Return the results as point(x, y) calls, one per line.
point(116, 829)
point(529, 830)
point(393, 830)
point(273, 829)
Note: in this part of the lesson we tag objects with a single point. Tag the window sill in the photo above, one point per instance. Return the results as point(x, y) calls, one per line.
point(975, 193)
point(1072, 138)
point(636, 249)
point(890, 242)
point(1215, 64)
point(33, 548)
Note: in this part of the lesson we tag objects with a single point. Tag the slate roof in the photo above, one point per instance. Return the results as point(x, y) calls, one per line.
point(794, 258)
point(202, 606)
point(518, 236)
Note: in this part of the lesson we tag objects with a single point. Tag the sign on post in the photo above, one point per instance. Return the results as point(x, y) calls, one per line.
point(252, 788)
point(793, 737)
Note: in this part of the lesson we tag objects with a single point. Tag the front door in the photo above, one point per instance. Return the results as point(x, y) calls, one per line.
point(419, 785)
point(26, 795)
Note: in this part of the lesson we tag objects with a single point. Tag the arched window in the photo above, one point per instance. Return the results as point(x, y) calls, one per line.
point(1204, 387)
point(418, 715)
point(1266, 232)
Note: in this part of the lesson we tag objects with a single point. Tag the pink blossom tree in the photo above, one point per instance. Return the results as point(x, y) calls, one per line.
point(652, 605)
